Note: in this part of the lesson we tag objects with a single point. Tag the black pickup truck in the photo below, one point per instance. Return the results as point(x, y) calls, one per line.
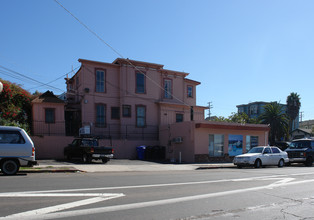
point(87, 149)
point(301, 151)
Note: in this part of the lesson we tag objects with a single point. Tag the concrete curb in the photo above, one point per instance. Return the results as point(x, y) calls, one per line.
point(134, 168)
point(50, 170)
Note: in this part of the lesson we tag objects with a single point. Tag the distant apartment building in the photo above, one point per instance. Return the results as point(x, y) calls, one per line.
point(255, 109)
point(308, 124)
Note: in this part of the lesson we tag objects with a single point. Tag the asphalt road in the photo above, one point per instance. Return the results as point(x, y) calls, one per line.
point(268, 193)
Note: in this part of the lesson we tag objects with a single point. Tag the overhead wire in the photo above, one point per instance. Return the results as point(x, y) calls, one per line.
point(47, 84)
point(115, 51)
point(17, 74)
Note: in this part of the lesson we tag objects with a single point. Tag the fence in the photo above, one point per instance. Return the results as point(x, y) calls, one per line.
point(42, 128)
point(110, 131)
point(130, 132)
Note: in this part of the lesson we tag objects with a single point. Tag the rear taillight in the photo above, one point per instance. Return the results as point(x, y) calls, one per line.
point(33, 151)
point(112, 151)
point(92, 150)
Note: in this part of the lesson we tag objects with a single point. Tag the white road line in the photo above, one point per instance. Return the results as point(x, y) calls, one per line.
point(166, 184)
point(41, 212)
point(92, 211)
point(58, 194)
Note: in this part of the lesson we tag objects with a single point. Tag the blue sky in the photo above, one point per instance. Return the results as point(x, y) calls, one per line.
point(241, 51)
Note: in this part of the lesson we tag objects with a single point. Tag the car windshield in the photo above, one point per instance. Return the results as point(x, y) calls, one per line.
point(256, 150)
point(300, 144)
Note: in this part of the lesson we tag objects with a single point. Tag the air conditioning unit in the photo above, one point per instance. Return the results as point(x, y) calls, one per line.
point(177, 140)
point(84, 130)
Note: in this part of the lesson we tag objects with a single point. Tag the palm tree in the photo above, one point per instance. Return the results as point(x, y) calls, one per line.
point(275, 116)
point(293, 107)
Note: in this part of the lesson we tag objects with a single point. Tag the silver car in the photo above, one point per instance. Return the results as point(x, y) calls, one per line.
point(262, 156)
point(16, 150)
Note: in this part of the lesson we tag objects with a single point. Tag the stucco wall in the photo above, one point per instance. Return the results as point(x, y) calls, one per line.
point(202, 138)
point(174, 150)
point(51, 147)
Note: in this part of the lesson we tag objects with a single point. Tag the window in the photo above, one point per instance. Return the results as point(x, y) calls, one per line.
point(275, 150)
point(267, 150)
point(235, 145)
point(11, 137)
point(179, 117)
point(140, 116)
point(140, 83)
point(167, 88)
point(50, 115)
point(100, 115)
point(253, 109)
point(115, 113)
point(216, 145)
point(100, 81)
point(126, 110)
point(251, 141)
point(190, 91)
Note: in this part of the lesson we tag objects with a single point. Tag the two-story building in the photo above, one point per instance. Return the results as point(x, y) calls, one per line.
point(129, 100)
point(130, 103)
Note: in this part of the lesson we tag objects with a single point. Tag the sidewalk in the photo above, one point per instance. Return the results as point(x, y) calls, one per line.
point(117, 165)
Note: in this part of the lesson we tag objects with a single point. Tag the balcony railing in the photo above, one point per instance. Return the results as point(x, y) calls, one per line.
point(110, 131)
point(130, 132)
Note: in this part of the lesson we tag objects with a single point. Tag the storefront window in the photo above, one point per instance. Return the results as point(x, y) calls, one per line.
point(235, 145)
point(216, 145)
point(251, 141)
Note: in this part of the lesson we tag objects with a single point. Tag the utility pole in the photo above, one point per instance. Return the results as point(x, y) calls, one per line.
point(210, 106)
point(301, 116)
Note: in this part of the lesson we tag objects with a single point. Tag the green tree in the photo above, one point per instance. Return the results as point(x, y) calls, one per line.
point(242, 118)
point(239, 118)
point(15, 107)
point(293, 108)
point(275, 116)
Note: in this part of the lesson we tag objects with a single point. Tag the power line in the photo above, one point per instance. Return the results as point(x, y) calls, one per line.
point(28, 78)
point(108, 45)
point(56, 78)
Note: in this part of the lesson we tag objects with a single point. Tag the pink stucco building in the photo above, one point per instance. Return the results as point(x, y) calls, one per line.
point(130, 103)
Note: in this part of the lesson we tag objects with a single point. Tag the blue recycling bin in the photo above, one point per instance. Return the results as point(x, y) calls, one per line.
point(141, 152)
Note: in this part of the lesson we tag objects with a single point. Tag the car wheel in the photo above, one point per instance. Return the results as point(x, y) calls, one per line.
point(69, 157)
point(258, 163)
point(10, 167)
point(86, 158)
point(239, 166)
point(281, 163)
point(105, 160)
point(309, 162)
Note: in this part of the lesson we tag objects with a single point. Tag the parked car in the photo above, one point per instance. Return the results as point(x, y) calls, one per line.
point(262, 156)
point(87, 149)
point(16, 150)
point(301, 151)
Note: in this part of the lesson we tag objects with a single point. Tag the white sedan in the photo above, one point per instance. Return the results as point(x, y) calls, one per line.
point(262, 156)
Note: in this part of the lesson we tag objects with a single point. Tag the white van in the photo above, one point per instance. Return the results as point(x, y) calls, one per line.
point(16, 150)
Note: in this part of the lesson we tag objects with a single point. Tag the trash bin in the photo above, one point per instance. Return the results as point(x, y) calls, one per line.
point(141, 152)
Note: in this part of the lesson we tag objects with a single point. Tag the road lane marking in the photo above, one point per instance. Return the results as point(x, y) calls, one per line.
point(40, 212)
point(48, 211)
point(98, 197)
point(168, 184)
point(92, 211)
point(59, 194)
